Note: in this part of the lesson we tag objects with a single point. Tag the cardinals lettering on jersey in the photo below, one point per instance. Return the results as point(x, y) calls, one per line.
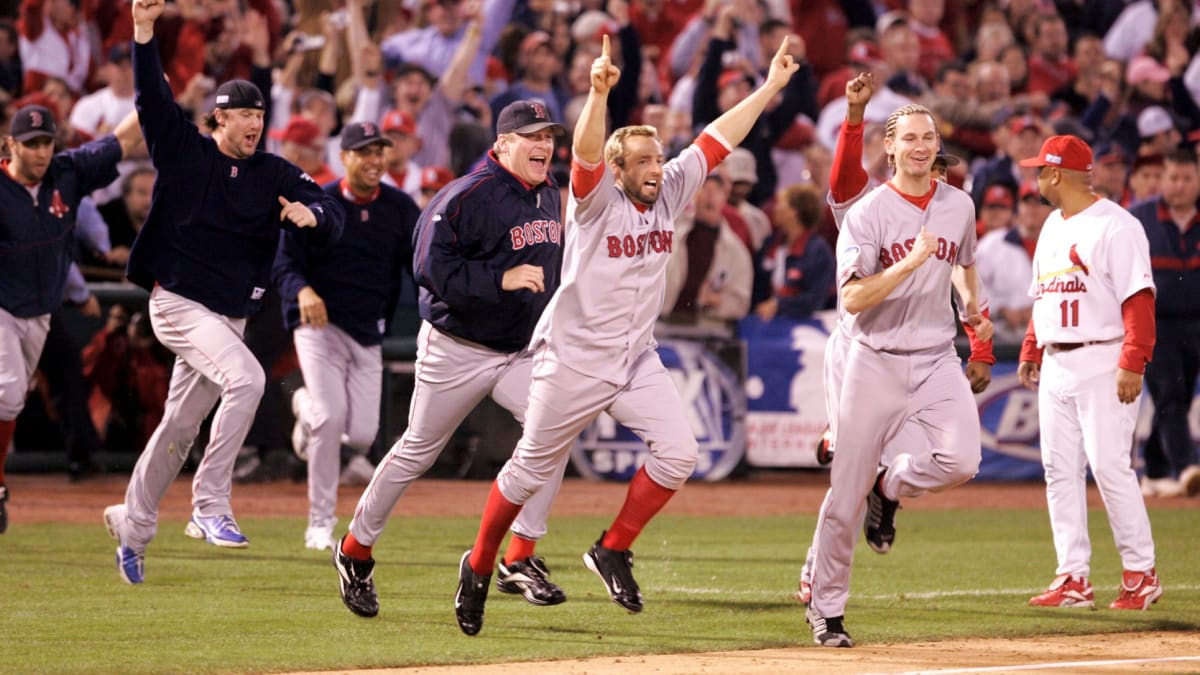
point(1051, 283)
point(630, 246)
point(889, 255)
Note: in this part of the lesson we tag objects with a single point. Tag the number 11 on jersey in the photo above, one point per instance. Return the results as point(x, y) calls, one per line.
point(1070, 313)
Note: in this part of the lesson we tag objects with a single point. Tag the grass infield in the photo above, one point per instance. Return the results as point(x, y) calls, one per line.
point(710, 584)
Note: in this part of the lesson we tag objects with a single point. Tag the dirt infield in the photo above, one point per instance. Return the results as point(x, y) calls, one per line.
point(46, 498)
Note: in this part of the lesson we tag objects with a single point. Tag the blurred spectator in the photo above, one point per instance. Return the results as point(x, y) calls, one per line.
point(823, 25)
point(1157, 131)
point(1131, 31)
point(126, 214)
point(1050, 66)
point(1109, 172)
point(1145, 179)
point(98, 113)
point(711, 274)
point(934, 46)
point(1016, 61)
point(1005, 263)
point(997, 210)
point(127, 372)
point(302, 144)
point(400, 171)
point(795, 270)
point(433, 178)
point(992, 38)
point(738, 170)
point(537, 67)
point(862, 55)
point(11, 73)
point(433, 46)
point(1021, 136)
point(53, 43)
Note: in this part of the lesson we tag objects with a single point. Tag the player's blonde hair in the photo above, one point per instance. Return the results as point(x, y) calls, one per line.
point(889, 127)
point(614, 148)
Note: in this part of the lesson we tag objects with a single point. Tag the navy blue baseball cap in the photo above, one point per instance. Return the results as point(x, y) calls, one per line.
point(526, 117)
point(31, 122)
point(239, 94)
point(362, 134)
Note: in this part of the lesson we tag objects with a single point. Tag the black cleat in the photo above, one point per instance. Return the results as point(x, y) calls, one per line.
point(880, 523)
point(825, 447)
point(355, 583)
point(530, 578)
point(3, 508)
point(470, 597)
point(827, 631)
point(615, 569)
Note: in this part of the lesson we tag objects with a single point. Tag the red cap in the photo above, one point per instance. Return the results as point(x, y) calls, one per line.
point(1023, 122)
point(1029, 189)
point(998, 195)
point(1065, 152)
point(399, 121)
point(435, 177)
point(730, 76)
point(299, 130)
point(864, 52)
point(534, 40)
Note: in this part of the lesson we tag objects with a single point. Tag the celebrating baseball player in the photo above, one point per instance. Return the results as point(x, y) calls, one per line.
point(849, 183)
point(40, 193)
point(335, 301)
point(205, 255)
point(488, 250)
point(1088, 343)
point(898, 249)
point(595, 349)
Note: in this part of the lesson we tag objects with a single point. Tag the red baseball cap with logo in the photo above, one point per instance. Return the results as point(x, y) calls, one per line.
point(1064, 152)
point(435, 177)
point(400, 122)
point(998, 195)
point(299, 130)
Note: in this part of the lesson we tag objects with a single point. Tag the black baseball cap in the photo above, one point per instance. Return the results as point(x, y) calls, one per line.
point(408, 67)
point(526, 117)
point(31, 122)
point(362, 134)
point(239, 94)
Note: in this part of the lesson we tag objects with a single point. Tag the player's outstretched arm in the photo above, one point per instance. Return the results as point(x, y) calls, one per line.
point(738, 120)
point(145, 13)
point(588, 141)
point(129, 134)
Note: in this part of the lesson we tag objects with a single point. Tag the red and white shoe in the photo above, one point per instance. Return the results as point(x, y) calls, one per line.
point(1067, 590)
point(804, 593)
point(1139, 590)
point(824, 449)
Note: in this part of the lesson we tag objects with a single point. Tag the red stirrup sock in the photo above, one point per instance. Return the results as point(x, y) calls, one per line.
point(498, 516)
point(352, 549)
point(7, 428)
point(519, 548)
point(644, 499)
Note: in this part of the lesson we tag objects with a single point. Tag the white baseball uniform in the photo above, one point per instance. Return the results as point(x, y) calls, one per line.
point(1084, 268)
point(901, 358)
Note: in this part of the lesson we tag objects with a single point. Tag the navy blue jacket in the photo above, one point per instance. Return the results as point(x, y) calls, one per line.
point(475, 229)
point(359, 276)
point(809, 271)
point(37, 242)
point(214, 220)
point(1174, 259)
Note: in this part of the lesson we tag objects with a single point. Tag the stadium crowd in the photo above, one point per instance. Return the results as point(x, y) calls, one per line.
point(1001, 77)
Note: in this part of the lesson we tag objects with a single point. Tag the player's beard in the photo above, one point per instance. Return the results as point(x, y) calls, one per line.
point(637, 191)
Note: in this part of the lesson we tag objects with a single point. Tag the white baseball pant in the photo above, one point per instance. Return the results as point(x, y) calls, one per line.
point(21, 343)
point(344, 380)
point(563, 402)
point(211, 363)
point(1083, 423)
point(928, 386)
point(452, 376)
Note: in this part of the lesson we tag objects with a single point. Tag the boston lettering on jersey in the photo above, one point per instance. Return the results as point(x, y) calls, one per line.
point(536, 232)
point(890, 255)
point(630, 246)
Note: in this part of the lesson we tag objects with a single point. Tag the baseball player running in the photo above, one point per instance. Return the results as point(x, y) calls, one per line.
point(897, 251)
point(595, 349)
point(849, 183)
point(1093, 321)
point(205, 255)
point(335, 301)
point(488, 253)
point(40, 194)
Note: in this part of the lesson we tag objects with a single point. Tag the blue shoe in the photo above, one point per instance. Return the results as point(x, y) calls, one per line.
point(217, 530)
point(130, 564)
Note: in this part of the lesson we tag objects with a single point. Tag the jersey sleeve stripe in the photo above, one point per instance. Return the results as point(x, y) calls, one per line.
point(585, 176)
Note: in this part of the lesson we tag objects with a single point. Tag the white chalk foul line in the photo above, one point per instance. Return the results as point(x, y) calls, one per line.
point(1054, 665)
point(915, 595)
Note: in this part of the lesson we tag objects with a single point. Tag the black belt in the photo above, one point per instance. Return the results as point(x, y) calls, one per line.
point(1070, 346)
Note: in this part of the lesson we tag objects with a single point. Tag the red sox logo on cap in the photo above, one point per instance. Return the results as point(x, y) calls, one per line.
point(35, 119)
point(539, 110)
